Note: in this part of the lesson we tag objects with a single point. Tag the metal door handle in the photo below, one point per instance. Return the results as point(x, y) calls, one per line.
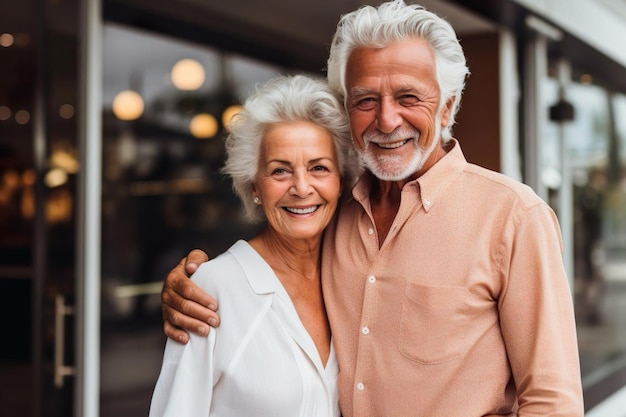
point(60, 369)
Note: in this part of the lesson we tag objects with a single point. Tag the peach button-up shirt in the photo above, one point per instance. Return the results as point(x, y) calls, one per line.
point(463, 311)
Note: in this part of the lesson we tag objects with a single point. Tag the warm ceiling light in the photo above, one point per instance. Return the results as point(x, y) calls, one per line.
point(22, 117)
point(55, 177)
point(586, 79)
point(64, 160)
point(229, 113)
point(5, 112)
point(188, 74)
point(128, 105)
point(11, 179)
point(203, 126)
point(6, 40)
point(29, 177)
point(66, 111)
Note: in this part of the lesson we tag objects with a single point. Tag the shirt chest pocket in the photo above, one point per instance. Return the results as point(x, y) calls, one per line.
point(435, 323)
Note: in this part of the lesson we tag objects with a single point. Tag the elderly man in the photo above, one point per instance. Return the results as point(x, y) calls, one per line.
point(443, 281)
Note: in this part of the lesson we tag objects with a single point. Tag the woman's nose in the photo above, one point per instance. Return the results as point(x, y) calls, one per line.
point(301, 185)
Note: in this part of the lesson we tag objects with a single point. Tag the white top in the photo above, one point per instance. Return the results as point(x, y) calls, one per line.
point(261, 361)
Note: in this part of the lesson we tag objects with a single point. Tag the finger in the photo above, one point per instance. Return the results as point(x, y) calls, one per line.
point(188, 291)
point(174, 304)
point(175, 333)
point(194, 259)
point(179, 321)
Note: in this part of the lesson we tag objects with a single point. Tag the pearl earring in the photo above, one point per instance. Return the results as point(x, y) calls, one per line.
point(257, 200)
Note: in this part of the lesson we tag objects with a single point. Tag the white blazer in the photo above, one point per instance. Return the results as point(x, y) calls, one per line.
point(261, 361)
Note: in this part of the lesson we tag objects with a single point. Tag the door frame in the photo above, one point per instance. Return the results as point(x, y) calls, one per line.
point(88, 239)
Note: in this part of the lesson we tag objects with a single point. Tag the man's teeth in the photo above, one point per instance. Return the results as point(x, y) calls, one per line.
point(301, 210)
point(392, 145)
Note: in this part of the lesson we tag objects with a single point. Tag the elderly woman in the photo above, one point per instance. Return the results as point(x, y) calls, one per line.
point(287, 155)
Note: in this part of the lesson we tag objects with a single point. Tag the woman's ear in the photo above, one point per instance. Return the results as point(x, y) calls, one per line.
point(255, 195)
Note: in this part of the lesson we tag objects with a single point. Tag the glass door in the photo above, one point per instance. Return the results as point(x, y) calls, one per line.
point(38, 171)
point(58, 168)
point(583, 171)
point(165, 109)
point(17, 208)
point(110, 150)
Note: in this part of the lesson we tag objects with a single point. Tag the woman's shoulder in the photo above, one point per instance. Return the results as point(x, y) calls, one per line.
point(213, 270)
point(238, 267)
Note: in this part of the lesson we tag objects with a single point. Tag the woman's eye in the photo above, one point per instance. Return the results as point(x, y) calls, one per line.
point(279, 171)
point(320, 168)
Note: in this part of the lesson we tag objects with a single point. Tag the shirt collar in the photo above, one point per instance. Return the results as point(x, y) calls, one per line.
point(259, 274)
point(436, 180)
point(431, 184)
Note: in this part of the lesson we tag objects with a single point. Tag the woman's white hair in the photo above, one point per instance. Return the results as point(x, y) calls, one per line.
point(393, 21)
point(284, 99)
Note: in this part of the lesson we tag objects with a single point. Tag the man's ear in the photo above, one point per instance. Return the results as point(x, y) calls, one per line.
point(446, 111)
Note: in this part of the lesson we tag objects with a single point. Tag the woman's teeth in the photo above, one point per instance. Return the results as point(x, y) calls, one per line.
point(301, 210)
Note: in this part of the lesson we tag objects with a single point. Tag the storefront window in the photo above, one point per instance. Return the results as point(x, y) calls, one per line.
point(595, 146)
point(165, 111)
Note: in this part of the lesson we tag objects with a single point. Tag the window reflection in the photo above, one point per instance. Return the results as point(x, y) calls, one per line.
point(596, 151)
point(162, 192)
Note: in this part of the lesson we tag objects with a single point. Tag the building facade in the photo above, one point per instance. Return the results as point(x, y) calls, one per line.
point(111, 119)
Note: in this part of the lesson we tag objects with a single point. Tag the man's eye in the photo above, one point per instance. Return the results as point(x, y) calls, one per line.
point(366, 103)
point(408, 100)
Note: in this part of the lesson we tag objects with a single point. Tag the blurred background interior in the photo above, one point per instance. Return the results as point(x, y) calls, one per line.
point(112, 115)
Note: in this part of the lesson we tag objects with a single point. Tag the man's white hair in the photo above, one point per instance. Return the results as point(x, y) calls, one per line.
point(393, 21)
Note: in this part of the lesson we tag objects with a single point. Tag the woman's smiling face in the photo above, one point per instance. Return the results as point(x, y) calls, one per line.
point(298, 181)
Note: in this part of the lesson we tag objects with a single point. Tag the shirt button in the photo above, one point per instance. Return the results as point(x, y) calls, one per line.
point(371, 279)
point(365, 330)
point(370, 231)
point(360, 386)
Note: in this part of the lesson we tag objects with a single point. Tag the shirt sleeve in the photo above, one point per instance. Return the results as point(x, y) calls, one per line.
point(537, 318)
point(185, 384)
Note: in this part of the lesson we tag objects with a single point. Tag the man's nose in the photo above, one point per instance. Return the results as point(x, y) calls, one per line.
point(388, 117)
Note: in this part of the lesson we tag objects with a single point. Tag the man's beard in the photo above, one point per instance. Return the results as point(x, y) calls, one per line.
point(392, 167)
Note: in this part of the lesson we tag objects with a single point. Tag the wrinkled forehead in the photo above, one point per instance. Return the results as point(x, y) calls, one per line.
point(403, 64)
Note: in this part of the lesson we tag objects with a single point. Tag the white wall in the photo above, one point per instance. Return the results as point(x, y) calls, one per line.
point(602, 27)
